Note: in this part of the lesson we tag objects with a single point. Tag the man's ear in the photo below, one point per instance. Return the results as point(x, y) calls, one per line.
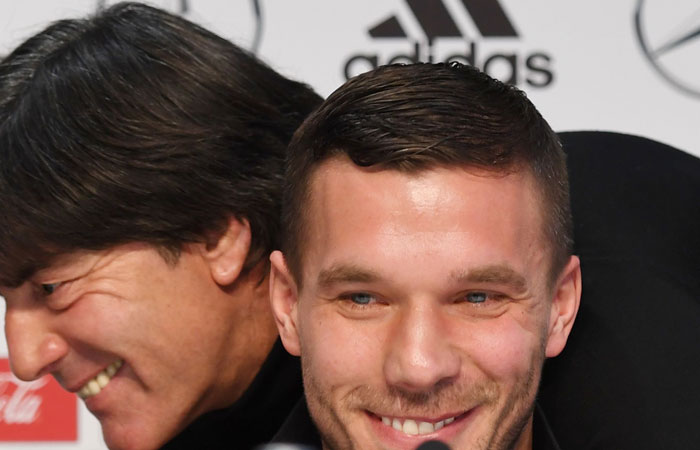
point(284, 302)
point(226, 252)
point(565, 304)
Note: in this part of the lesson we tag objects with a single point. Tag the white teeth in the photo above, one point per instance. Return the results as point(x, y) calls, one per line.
point(410, 426)
point(425, 428)
point(102, 379)
point(94, 386)
point(111, 370)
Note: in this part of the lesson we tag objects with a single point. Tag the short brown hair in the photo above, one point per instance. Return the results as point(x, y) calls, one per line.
point(415, 117)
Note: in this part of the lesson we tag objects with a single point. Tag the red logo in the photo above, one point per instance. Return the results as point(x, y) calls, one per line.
point(39, 410)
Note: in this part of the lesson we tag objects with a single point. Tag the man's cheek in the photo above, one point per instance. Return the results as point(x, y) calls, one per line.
point(503, 348)
point(339, 350)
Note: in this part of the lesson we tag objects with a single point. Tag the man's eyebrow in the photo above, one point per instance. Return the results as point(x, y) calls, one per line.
point(494, 274)
point(345, 273)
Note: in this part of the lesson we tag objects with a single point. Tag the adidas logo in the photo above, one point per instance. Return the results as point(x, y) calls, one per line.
point(475, 32)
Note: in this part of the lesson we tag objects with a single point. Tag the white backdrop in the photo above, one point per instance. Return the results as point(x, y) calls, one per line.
point(626, 65)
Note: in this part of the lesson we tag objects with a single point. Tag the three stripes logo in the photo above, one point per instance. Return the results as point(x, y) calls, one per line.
point(436, 21)
point(456, 30)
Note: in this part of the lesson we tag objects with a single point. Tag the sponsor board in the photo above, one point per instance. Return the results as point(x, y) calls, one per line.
point(39, 410)
point(475, 32)
point(669, 35)
point(240, 20)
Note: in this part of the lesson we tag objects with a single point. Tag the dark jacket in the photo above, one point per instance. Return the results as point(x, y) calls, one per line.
point(255, 417)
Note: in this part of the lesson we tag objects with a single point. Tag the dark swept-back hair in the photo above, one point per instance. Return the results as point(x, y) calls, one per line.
point(138, 125)
point(419, 116)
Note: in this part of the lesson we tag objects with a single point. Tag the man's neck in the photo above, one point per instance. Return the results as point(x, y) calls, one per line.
point(252, 336)
point(524, 442)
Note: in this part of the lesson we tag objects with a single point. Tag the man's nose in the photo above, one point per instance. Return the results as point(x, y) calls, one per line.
point(34, 349)
point(421, 354)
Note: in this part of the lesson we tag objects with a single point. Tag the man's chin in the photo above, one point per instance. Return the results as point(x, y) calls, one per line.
point(133, 436)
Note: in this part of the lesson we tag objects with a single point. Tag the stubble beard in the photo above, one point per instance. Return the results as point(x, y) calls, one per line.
point(335, 436)
point(520, 405)
point(508, 426)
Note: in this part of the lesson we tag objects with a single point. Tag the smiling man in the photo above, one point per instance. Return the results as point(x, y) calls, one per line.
point(141, 162)
point(427, 269)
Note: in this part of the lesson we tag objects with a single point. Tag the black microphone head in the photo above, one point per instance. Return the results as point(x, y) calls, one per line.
point(284, 446)
point(433, 445)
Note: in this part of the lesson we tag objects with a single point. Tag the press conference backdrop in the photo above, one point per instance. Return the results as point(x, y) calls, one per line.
point(629, 65)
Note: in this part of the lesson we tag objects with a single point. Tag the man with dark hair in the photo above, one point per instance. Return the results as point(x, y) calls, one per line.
point(140, 178)
point(426, 271)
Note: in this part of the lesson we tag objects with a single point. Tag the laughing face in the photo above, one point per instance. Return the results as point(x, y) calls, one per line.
point(425, 310)
point(148, 344)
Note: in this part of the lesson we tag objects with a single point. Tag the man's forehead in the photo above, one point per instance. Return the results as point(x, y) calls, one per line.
point(351, 199)
point(341, 174)
point(81, 261)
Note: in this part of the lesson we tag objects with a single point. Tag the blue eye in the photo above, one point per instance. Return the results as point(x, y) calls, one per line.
point(476, 297)
point(361, 298)
point(49, 288)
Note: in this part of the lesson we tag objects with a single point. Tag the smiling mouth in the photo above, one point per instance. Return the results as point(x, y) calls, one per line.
point(416, 427)
point(95, 385)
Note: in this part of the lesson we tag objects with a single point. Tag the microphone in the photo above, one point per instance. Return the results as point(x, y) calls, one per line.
point(284, 446)
point(427, 445)
point(433, 445)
